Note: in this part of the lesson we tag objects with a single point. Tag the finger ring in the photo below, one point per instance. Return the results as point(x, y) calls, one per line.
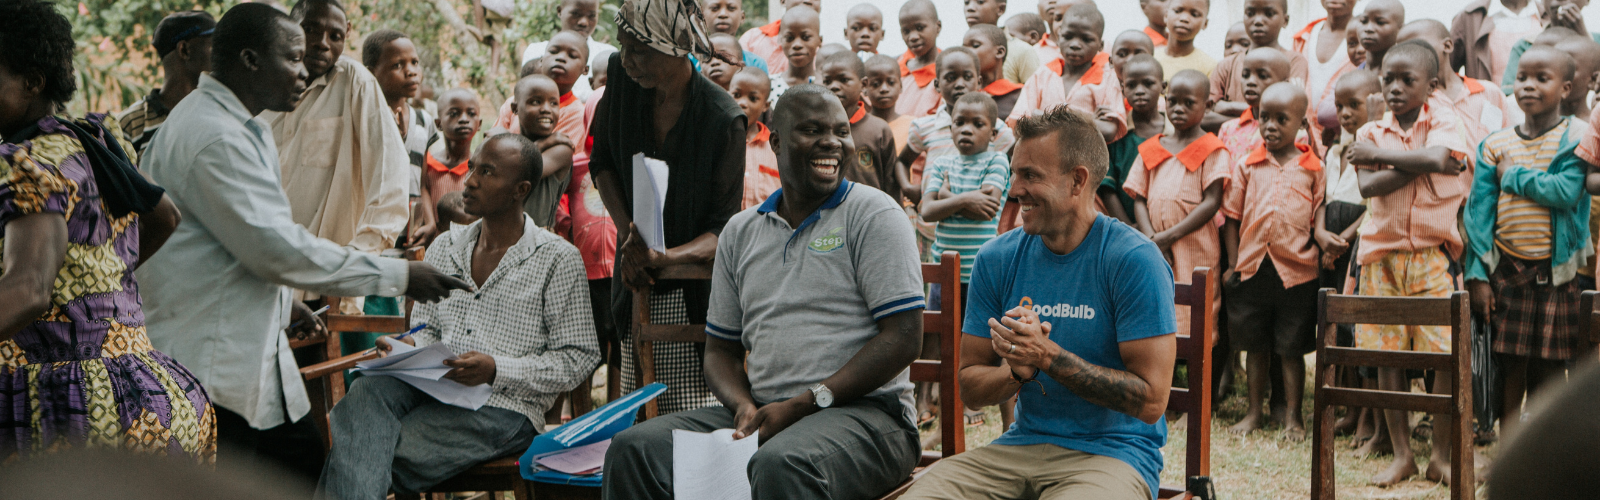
point(1012, 350)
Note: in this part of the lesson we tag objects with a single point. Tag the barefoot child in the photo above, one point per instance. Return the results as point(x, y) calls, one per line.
point(863, 30)
point(1128, 44)
point(1343, 209)
point(1236, 41)
point(919, 28)
point(844, 74)
point(446, 160)
point(1528, 233)
point(1177, 183)
point(1271, 289)
point(801, 37)
point(766, 42)
point(1185, 20)
point(989, 42)
point(1263, 21)
point(539, 102)
point(718, 69)
point(1082, 79)
point(1155, 16)
point(725, 17)
point(749, 88)
point(1408, 164)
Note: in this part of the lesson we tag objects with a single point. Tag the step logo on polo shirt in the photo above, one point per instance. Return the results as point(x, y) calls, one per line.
point(828, 242)
point(1058, 310)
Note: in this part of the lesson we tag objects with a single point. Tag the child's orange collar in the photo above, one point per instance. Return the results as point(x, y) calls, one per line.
point(923, 75)
point(1092, 76)
point(771, 29)
point(436, 165)
point(1307, 160)
point(1192, 156)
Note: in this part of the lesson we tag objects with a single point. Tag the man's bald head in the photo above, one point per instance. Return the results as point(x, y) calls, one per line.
point(808, 96)
point(1271, 58)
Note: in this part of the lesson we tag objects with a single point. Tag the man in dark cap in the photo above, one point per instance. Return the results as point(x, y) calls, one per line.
point(183, 43)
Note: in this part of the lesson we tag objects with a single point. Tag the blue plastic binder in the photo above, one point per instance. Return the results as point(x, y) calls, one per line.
point(593, 427)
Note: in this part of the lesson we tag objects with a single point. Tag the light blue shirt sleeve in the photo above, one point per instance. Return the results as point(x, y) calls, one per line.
point(246, 210)
point(997, 172)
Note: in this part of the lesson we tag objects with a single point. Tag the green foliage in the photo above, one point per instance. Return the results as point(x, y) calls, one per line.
point(116, 63)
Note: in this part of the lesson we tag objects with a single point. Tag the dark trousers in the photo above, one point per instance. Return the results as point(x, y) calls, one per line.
point(294, 447)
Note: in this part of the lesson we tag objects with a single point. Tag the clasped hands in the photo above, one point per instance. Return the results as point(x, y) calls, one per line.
point(1023, 342)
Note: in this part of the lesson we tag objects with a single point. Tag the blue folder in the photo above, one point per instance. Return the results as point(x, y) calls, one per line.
point(593, 427)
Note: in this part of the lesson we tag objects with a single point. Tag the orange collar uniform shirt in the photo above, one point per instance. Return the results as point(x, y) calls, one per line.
point(1097, 88)
point(1480, 108)
point(760, 167)
point(1227, 83)
point(1276, 206)
point(1421, 214)
point(1047, 50)
point(764, 43)
point(1155, 37)
point(918, 96)
point(1172, 186)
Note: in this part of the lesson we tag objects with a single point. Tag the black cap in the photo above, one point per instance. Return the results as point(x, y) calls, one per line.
point(182, 26)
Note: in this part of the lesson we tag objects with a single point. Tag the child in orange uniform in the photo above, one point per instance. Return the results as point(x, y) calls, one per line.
point(1082, 79)
point(919, 28)
point(1177, 183)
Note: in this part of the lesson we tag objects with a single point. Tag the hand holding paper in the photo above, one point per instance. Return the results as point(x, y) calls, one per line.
point(424, 368)
point(711, 466)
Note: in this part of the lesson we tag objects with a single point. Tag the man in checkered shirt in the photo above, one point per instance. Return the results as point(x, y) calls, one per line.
point(528, 331)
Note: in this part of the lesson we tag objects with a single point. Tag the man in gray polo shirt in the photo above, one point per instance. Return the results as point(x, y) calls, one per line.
point(821, 287)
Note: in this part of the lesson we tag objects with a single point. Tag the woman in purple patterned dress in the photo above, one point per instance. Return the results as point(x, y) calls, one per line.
point(76, 369)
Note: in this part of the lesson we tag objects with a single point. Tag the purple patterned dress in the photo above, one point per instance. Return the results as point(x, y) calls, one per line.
point(84, 374)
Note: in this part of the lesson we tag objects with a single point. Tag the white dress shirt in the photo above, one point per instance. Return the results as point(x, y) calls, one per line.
point(532, 315)
point(215, 296)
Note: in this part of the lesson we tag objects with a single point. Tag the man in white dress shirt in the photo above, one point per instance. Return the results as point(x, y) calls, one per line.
point(216, 297)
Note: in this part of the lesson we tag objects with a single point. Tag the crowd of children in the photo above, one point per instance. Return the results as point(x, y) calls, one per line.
point(1358, 158)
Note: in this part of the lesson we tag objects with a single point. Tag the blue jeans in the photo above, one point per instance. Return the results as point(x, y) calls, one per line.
point(387, 434)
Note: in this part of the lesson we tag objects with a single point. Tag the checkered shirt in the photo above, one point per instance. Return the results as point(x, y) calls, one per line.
point(532, 315)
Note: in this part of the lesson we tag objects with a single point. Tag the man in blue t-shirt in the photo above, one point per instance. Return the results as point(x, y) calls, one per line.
point(1075, 311)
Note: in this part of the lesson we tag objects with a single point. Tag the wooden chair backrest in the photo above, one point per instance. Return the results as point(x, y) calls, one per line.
point(1589, 327)
point(646, 334)
point(1452, 311)
point(946, 323)
point(325, 379)
point(1194, 348)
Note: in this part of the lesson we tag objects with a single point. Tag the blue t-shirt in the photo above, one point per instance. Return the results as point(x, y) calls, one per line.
point(1114, 287)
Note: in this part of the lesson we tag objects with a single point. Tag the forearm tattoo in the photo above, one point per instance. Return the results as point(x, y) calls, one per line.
point(1114, 389)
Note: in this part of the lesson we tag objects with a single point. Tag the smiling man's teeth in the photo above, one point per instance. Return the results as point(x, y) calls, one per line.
point(1026, 208)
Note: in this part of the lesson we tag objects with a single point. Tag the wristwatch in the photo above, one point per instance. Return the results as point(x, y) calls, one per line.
point(823, 395)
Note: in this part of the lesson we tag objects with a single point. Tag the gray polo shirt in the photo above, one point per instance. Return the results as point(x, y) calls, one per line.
point(804, 301)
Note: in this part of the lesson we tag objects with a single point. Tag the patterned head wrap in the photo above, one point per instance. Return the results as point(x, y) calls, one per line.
point(673, 27)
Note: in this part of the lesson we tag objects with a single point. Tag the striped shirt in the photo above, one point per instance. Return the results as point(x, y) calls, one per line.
point(1522, 226)
point(930, 137)
point(963, 174)
point(141, 120)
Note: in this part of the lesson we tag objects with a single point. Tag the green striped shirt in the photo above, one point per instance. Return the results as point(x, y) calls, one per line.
point(961, 174)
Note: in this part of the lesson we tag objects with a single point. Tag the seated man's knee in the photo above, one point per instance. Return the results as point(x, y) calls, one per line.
point(642, 439)
point(373, 389)
point(781, 465)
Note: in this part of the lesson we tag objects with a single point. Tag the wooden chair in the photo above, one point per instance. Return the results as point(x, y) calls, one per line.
point(1589, 328)
point(325, 383)
point(1453, 312)
point(646, 334)
point(946, 323)
point(1195, 401)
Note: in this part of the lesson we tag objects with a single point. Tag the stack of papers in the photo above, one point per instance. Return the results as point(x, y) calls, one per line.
point(583, 460)
point(649, 199)
point(712, 465)
point(424, 369)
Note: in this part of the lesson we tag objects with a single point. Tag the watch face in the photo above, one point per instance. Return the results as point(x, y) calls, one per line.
point(824, 396)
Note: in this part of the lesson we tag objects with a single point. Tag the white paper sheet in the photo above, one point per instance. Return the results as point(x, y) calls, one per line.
point(586, 459)
point(649, 199)
point(711, 466)
point(424, 369)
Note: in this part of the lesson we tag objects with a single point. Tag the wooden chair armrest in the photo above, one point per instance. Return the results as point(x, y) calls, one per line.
point(332, 366)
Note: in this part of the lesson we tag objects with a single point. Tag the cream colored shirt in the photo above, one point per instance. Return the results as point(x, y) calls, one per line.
point(344, 165)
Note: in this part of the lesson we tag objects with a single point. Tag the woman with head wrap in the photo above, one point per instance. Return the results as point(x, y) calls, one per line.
point(76, 367)
point(657, 105)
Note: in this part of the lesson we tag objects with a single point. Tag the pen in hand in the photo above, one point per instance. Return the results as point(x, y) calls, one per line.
point(397, 338)
point(318, 312)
